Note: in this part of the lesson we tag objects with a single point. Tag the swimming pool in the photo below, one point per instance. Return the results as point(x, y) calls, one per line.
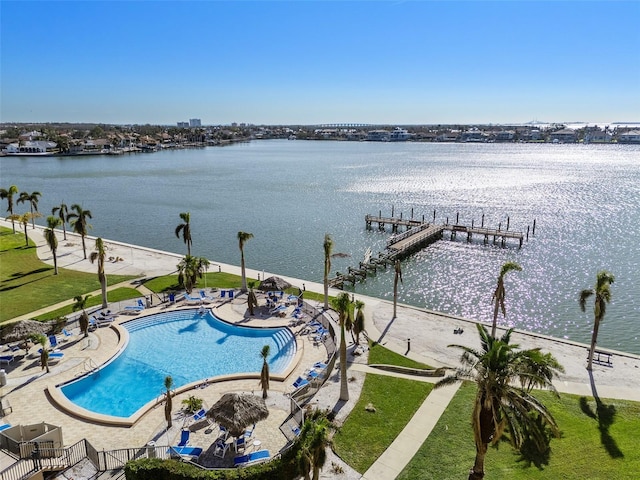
point(185, 344)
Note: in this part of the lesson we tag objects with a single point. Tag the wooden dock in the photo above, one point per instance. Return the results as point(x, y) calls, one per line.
point(417, 235)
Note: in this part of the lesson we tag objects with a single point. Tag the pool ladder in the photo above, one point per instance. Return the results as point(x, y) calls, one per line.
point(89, 365)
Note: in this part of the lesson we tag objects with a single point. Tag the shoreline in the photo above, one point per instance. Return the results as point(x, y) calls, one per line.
point(429, 332)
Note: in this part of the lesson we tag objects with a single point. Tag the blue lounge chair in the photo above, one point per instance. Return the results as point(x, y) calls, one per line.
point(205, 297)
point(188, 298)
point(67, 333)
point(320, 365)
point(184, 438)
point(251, 458)
point(55, 356)
point(7, 359)
point(223, 293)
point(189, 453)
point(230, 294)
point(296, 430)
point(224, 433)
point(300, 382)
point(53, 341)
point(199, 415)
point(4, 426)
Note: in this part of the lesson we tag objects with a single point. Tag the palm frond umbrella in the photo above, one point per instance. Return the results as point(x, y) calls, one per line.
point(237, 411)
point(274, 283)
point(23, 329)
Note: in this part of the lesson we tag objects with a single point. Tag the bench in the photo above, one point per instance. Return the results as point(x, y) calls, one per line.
point(600, 357)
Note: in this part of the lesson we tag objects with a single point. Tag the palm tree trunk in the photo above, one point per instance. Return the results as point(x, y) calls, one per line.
point(495, 318)
point(477, 472)
point(55, 262)
point(84, 248)
point(103, 287)
point(26, 237)
point(244, 275)
point(344, 387)
point(64, 231)
point(594, 338)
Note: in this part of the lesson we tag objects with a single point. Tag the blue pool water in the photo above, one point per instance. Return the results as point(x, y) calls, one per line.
point(184, 344)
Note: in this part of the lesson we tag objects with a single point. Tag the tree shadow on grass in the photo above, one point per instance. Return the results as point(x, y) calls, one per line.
point(605, 415)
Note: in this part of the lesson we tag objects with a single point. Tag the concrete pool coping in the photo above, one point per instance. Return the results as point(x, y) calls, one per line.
point(61, 401)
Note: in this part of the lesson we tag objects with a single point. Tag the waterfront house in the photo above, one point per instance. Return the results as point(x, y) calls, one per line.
point(37, 147)
point(566, 135)
point(629, 137)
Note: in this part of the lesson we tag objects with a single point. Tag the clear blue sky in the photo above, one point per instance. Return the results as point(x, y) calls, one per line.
point(309, 62)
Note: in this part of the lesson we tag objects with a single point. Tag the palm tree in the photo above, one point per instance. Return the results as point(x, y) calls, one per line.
point(78, 221)
point(44, 353)
point(33, 203)
point(52, 241)
point(602, 292)
point(81, 303)
point(99, 254)
point(499, 294)
point(358, 325)
point(63, 213)
point(501, 404)
point(252, 300)
point(314, 440)
point(264, 374)
point(189, 270)
point(168, 406)
point(24, 219)
point(398, 276)
point(328, 247)
point(8, 193)
point(185, 228)
point(242, 238)
point(342, 304)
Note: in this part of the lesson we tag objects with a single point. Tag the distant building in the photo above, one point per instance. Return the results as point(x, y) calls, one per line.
point(195, 122)
point(629, 137)
point(566, 135)
point(183, 124)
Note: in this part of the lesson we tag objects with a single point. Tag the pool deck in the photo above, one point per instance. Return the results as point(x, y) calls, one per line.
point(430, 333)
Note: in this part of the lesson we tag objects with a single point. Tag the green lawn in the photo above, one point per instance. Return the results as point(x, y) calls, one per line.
point(383, 356)
point(27, 284)
point(589, 448)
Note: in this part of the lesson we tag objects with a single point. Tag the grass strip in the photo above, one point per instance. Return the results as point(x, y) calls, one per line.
point(116, 295)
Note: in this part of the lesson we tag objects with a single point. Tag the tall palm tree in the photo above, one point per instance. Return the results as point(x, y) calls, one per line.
point(8, 193)
point(168, 406)
point(83, 321)
point(264, 373)
point(242, 238)
point(185, 228)
point(99, 254)
point(504, 377)
point(78, 221)
point(52, 240)
point(24, 219)
point(63, 213)
point(314, 441)
point(499, 294)
point(342, 304)
point(328, 247)
point(32, 198)
point(396, 278)
point(358, 324)
point(602, 292)
point(189, 270)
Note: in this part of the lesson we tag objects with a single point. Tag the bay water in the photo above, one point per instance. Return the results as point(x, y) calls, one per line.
point(585, 200)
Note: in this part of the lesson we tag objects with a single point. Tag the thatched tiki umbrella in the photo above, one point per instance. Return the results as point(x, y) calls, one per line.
point(274, 283)
point(23, 329)
point(237, 411)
